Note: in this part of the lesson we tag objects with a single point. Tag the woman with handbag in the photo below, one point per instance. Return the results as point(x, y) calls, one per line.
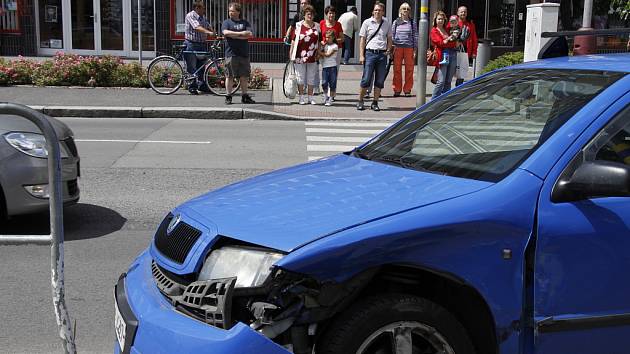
point(305, 42)
point(444, 45)
point(405, 38)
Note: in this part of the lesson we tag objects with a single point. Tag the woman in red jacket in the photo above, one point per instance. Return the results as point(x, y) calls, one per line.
point(444, 44)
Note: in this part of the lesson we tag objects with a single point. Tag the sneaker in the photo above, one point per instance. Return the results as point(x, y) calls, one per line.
point(396, 94)
point(360, 106)
point(193, 91)
point(311, 100)
point(326, 98)
point(407, 94)
point(247, 99)
point(302, 99)
point(328, 102)
point(374, 106)
point(228, 99)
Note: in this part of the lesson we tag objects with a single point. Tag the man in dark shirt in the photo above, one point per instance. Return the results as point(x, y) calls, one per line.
point(236, 32)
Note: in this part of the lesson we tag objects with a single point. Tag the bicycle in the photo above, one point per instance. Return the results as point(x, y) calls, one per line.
point(166, 73)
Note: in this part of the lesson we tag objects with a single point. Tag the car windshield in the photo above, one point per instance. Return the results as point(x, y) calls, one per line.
point(485, 129)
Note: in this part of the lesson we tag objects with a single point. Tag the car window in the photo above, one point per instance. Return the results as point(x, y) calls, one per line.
point(486, 128)
point(613, 143)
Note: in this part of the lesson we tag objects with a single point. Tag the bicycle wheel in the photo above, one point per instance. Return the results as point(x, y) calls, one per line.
point(215, 78)
point(165, 75)
point(287, 71)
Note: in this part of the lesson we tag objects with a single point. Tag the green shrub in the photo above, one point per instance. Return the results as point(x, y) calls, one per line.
point(22, 69)
point(258, 79)
point(129, 75)
point(507, 59)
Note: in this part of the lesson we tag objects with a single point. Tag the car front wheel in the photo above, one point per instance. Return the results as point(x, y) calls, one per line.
point(395, 324)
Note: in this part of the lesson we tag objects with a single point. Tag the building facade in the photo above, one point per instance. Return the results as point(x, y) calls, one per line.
point(97, 27)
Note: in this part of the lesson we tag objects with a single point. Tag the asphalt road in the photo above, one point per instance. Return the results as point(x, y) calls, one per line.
point(133, 172)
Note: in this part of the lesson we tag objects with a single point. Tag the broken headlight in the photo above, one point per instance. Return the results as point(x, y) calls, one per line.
point(251, 267)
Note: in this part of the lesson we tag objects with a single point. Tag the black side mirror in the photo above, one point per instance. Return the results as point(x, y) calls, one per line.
point(594, 179)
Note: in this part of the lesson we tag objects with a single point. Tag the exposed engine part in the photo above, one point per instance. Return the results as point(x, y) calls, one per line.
point(277, 328)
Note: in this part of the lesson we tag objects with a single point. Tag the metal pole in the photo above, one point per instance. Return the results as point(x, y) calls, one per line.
point(588, 12)
point(423, 40)
point(139, 33)
point(56, 220)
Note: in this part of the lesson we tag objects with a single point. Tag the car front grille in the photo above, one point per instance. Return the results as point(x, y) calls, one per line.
point(178, 243)
point(208, 301)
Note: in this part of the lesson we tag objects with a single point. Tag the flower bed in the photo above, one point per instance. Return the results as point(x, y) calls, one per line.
point(75, 70)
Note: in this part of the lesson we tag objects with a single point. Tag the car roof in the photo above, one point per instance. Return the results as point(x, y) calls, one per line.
point(604, 62)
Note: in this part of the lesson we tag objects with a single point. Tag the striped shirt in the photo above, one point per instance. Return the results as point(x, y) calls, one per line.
point(405, 33)
point(193, 20)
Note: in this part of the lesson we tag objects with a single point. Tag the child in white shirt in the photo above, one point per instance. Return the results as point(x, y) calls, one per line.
point(329, 67)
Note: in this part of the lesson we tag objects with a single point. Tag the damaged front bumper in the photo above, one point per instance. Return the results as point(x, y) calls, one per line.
point(163, 329)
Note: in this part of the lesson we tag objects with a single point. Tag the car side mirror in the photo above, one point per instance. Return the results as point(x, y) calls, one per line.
point(594, 179)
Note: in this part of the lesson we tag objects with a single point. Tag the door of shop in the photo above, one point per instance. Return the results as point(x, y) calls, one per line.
point(95, 27)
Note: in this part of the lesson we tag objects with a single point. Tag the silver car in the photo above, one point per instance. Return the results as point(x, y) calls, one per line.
point(23, 166)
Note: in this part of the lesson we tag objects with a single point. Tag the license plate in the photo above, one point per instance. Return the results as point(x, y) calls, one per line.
point(120, 326)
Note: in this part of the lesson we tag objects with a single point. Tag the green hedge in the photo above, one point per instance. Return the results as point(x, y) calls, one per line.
point(507, 59)
point(75, 70)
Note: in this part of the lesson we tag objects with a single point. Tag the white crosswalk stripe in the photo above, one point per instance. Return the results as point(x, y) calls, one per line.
point(325, 138)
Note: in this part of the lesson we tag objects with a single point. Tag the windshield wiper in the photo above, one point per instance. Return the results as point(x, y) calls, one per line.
point(402, 161)
point(360, 154)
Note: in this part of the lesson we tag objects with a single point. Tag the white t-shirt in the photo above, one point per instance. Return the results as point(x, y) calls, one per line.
point(327, 62)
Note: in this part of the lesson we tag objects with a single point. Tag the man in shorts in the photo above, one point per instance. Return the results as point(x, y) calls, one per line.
point(236, 32)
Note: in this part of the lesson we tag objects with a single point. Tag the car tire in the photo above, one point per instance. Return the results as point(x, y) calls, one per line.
point(375, 324)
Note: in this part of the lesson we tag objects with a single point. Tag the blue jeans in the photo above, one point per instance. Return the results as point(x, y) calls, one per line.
point(375, 65)
point(445, 75)
point(347, 45)
point(329, 78)
point(193, 64)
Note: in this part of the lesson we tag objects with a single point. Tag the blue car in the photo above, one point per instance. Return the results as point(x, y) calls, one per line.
point(495, 219)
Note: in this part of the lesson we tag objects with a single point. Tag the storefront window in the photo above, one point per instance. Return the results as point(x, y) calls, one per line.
point(265, 16)
point(50, 24)
point(9, 16)
point(501, 23)
point(148, 25)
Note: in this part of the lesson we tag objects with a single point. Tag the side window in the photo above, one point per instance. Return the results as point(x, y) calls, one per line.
point(613, 143)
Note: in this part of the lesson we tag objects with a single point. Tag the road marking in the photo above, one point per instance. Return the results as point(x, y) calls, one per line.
point(344, 139)
point(326, 138)
point(140, 141)
point(343, 131)
point(346, 124)
point(329, 148)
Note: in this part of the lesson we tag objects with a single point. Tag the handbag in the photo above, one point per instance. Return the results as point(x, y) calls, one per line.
point(434, 77)
point(291, 84)
point(462, 65)
point(432, 57)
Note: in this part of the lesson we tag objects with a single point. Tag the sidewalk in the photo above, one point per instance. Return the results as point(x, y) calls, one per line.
point(271, 104)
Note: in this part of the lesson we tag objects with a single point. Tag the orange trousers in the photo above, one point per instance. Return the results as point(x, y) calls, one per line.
point(400, 55)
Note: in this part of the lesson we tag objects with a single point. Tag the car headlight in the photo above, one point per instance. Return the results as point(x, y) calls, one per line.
point(251, 267)
point(31, 144)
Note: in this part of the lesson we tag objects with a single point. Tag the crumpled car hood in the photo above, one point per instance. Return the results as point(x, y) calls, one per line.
point(288, 208)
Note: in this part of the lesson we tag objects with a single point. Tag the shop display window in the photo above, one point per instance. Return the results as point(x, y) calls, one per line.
point(9, 21)
point(265, 16)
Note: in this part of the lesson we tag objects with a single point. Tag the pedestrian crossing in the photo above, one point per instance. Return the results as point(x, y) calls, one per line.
point(324, 138)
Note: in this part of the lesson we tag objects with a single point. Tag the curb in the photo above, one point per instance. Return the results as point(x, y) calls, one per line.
point(218, 113)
